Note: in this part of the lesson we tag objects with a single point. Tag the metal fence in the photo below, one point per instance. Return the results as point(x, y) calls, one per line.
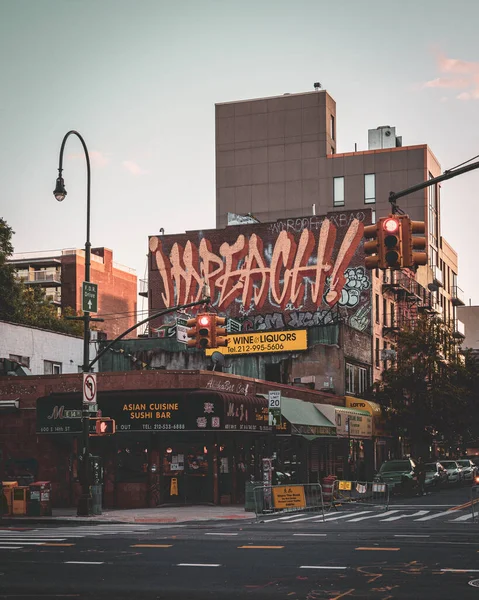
point(288, 499)
point(474, 503)
point(367, 493)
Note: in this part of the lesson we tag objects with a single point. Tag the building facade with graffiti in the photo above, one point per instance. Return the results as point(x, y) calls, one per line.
point(303, 277)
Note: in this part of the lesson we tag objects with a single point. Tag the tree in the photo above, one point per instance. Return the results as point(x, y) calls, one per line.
point(430, 390)
point(10, 291)
point(23, 304)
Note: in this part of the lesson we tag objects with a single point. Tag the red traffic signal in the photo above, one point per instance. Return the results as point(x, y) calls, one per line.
point(391, 242)
point(105, 426)
point(205, 330)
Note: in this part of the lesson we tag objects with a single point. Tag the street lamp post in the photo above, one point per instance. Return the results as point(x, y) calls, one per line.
point(84, 504)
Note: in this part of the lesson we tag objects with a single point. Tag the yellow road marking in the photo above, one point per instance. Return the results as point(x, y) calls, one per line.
point(465, 505)
point(151, 546)
point(344, 594)
point(262, 547)
point(51, 544)
point(376, 548)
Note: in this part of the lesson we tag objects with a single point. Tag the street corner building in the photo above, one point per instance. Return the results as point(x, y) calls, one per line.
point(182, 437)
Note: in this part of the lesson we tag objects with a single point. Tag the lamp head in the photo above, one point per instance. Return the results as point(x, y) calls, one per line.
point(60, 192)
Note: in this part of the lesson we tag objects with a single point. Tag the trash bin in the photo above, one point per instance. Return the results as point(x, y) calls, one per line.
point(20, 498)
point(8, 493)
point(40, 502)
point(96, 498)
point(249, 497)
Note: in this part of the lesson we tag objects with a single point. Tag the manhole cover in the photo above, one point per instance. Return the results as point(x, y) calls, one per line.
point(474, 583)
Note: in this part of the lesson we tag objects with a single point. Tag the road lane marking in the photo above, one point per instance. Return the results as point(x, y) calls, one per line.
point(345, 516)
point(381, 549)
point(320, 567)
point(261, 547)
point(10, 547)
point(7, 544)
point(83, 562)
point(417, 514)
point(467, 504)
point(198, 565)
point(461, 518)
point(312, 534)
point(221, 533)
point(377, 516)
point(411, 536)
point(460, 570)
point(55, 544)
point(151, 546)
point(434, 516)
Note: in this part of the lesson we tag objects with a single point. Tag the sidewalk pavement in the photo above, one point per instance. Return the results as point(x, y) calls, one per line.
point(167, 514)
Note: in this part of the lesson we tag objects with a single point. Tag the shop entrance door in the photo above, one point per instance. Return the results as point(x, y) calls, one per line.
point(186, 474)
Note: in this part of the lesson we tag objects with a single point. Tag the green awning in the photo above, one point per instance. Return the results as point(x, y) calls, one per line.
point(305, 418)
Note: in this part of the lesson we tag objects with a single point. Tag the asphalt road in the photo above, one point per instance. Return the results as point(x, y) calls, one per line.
point(306, 561)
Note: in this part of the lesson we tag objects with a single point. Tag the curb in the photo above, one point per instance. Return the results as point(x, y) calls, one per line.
point(15, 521)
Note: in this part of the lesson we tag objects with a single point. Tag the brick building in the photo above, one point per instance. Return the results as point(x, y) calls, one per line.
point(61, 272)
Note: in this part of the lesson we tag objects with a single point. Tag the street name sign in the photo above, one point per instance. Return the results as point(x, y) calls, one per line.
point(89, 297)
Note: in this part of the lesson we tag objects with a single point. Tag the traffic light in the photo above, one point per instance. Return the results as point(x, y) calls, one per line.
point(105, 426)
point(417, 254)
point(391, 242)
point(192, 333)
point(219, 332)
point(372, 248)
point(205, 328)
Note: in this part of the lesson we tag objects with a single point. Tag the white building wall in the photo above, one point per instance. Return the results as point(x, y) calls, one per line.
point(40, 345)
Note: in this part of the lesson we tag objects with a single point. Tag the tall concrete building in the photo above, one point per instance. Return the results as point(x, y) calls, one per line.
point(276, 158)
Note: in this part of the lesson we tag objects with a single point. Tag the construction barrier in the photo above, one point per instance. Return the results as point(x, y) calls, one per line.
point(287, 499)
point(474, 502)
point(368, 493)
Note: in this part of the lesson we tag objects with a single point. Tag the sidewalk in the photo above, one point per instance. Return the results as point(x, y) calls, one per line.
point(169, 514)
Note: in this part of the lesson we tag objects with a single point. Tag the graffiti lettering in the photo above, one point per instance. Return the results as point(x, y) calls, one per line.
point(245, 271)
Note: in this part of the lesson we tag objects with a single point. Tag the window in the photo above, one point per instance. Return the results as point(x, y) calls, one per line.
point(376, 353)
point(385, 310)
point(377, 308)
point(331, 123)
point(356, 379)
point(370, 188)
point(393, 316)
point(52, 368)
point(373, 217)
point(21, 360)
point(385, 363)
point(338, 191)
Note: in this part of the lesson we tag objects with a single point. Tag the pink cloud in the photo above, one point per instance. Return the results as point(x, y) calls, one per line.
point(453, 65)
point(473, 95)
point(441, 82)
point(133, 168)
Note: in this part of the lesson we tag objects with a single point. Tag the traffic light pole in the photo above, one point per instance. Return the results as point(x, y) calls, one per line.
point(393, 196)
point(206, 300)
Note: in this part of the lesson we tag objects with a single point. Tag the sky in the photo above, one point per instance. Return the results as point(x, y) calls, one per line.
point(139, 80)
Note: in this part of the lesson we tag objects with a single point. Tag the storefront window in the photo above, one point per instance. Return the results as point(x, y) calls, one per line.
point(133, 462)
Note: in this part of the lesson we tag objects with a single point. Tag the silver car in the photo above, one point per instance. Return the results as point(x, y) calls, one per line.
point(454, 472)
point(468, 469)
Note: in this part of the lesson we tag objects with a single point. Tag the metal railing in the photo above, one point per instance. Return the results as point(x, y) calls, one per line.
point(288, 499)
point(369, 493)
point(458, 294)
point(39, 276)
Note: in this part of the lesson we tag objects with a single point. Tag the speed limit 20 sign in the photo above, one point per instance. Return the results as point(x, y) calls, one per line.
point(274, 400)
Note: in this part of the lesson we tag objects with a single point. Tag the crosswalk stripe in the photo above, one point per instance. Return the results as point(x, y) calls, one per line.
point(461, 518)
point(285, 518)
point(397, 517)
point(434, 516)
point(379, 515)
point(343, 516)
point(306, 519)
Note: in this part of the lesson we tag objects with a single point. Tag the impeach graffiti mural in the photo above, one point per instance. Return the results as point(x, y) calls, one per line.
point(267, 276)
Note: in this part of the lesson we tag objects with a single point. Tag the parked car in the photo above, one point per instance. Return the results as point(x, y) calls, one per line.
point(436, 475)
point(399, 475)
point(454, 472)
point(469, 469)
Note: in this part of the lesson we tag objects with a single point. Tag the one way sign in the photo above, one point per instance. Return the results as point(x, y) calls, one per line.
point(89, 297)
